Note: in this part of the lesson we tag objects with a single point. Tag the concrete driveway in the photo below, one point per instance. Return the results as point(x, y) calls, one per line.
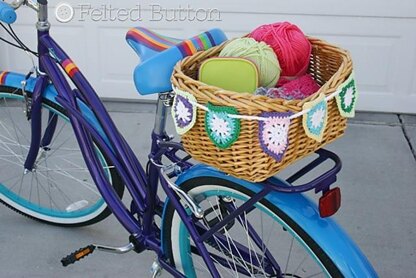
point(378, 210)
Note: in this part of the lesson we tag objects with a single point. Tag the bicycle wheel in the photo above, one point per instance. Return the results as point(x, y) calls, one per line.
point(263, 242)
point(60, 190)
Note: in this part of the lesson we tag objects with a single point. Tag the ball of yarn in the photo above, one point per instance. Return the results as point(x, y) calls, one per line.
point(260, 54)
point(290, 44)
point(299, 88)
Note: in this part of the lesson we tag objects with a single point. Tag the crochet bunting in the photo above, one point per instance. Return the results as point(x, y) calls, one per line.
point(273, 134)
point(347, 98)
point(314, 122)
point(183, 111)
point(222, 129)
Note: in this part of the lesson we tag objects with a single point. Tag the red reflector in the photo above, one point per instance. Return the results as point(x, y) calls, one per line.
point(330, 202)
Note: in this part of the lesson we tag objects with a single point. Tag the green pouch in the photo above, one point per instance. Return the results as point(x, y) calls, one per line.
point(233, 74)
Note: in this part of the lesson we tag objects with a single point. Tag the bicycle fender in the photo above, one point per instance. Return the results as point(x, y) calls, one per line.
point(325, 231)
point(13, 79)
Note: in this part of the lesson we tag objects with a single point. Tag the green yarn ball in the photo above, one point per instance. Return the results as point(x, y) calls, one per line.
point(260, 54)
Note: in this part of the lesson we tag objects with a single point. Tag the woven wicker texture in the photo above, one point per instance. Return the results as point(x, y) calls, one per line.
point(330, 66)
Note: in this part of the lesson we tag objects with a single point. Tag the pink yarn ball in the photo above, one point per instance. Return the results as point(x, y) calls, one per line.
point(291, 46)
point(299, 88)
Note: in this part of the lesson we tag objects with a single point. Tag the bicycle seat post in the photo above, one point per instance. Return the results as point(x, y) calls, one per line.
point(164, 102)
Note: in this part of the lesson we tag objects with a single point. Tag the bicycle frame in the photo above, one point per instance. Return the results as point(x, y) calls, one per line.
point(102, 131)
point(142, 187)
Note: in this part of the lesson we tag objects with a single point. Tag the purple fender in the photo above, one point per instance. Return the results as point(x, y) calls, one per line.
point(325, 231)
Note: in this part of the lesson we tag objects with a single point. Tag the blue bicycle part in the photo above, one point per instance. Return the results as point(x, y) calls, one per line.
point(159, 55)
point(7, 13)
point(59, 190)
point(296, 213)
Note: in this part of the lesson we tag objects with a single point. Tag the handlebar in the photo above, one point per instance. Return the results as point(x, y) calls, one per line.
point(7, 13)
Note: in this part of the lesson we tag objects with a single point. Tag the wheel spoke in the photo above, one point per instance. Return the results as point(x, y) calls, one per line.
point(289, 254)
point(300, 264)
point(91, 187)
point(12, 162)
point(221, 247)
point(254, 244)
point(49, 193)
point(8, 149)
point(232, 241)
point(314, 275)
point(14, 184)
point(15, 126)
point(60, 188)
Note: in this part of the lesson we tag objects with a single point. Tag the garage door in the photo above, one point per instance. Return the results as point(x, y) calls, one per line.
point(380, 35)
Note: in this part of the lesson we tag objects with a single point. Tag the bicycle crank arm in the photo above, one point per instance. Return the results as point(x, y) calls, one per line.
point(115, 250)
point(84, 252)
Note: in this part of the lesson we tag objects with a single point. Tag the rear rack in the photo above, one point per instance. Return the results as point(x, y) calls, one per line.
point(320, 184)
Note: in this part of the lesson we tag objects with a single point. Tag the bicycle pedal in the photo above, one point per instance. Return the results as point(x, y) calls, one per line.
point(77, 255)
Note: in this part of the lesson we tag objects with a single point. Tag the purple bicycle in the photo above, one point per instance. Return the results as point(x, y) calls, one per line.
point(64, 162)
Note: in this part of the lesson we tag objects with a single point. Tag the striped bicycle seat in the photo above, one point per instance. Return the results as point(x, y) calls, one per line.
point(159, 54)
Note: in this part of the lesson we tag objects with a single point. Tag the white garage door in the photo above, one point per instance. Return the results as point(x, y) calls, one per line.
point(380, 35)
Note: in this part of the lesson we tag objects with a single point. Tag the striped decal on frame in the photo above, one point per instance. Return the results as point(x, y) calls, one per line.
point(70, 68)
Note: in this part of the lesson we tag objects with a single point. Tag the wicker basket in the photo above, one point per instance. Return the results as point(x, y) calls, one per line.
point(330, 66)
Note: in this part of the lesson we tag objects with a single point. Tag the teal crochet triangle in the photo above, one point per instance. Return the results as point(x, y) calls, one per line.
point(222, 129)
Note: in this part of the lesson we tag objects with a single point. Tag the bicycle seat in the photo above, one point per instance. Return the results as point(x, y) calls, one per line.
point(159, 54)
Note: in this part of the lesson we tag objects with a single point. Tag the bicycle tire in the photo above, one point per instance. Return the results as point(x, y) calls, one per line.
point(68, 204)
point(177, 244)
